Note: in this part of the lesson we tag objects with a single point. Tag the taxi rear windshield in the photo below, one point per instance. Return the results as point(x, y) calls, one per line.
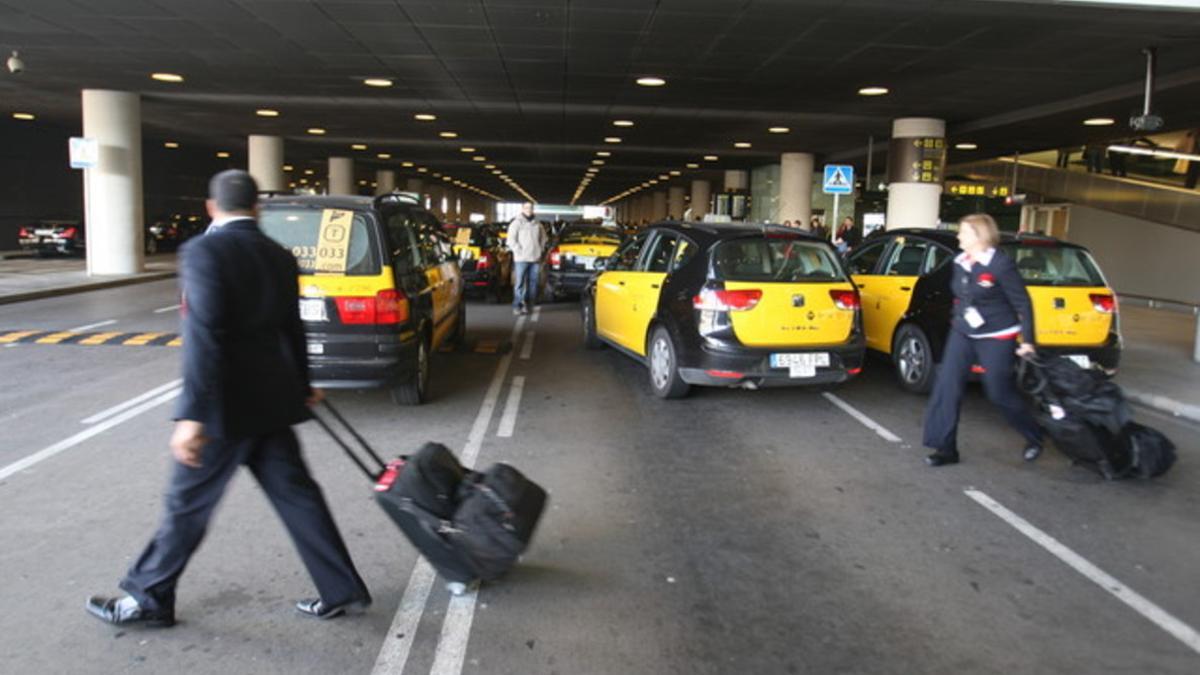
point(1042, 265)
point(325, 241)
point(782, 260)
point(590, 235)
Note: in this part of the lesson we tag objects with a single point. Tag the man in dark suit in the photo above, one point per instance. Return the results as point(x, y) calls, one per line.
point(245, 383)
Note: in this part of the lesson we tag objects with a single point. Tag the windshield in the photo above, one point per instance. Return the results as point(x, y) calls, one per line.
point(332, 241)
point(1042, 265)
point(782, 260)
point(590, 235)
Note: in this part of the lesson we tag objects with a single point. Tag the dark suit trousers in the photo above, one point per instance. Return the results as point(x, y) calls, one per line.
point(999, 383)
point(192, 496)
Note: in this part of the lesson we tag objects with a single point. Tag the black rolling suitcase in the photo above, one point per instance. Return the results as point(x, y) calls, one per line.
point(497, 514)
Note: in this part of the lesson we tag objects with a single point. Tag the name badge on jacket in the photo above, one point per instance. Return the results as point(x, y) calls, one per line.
point(973, 318)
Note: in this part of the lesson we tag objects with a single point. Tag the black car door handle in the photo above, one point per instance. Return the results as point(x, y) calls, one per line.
point(620, 283)
point(654, 286)
point(906, 288)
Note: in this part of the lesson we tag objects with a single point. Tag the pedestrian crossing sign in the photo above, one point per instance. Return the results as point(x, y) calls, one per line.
point(839, 179)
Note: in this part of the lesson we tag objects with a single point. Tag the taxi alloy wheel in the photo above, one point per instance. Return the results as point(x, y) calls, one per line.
point(664, 370)
point(914, 360)
point(590, 339)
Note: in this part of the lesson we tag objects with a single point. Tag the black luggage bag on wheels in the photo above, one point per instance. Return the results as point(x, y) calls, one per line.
point(469, 526)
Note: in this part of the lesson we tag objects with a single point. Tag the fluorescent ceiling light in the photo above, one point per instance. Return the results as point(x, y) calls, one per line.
point(1154, 152)
point(23, 116)
point(424, 117)
point(421, 169)
point(479, 158)
point(622, 123)
point(407, 165)
point(741, 144)
point(966, 146)
point(603, 153)
point(317, 131)
point(651, 81)
point(598, 162)
point(778, 130)
point(675, 173)
point(222, 155)
point(170, 144)
point(1161, 4)
point(448, 134)
point(467, 149)
point(288, 167)
point(358, 146)
point(873, 91)
point(489, 166)
point(266, 112)
point(693, 165)
point(166, 77)
point(384, 155)
point(309, 172)
point(377, 82)
point(1099, 122)
point(711, 158)
point(612, 139)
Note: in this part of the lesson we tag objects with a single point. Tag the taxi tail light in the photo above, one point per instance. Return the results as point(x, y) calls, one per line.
point(555, 258)
point(1104, 302)
point(388, 307)
point(845, 299)
point(25, 232)
point(68, 233)
point(727, 301)
point(484, 261)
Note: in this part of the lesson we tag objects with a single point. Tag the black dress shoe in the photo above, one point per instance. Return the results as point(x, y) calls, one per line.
point(317, 608)
point(125, 611)
point(942, 458)
point(1032, 452)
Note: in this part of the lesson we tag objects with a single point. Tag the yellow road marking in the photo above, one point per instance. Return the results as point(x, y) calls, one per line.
point(142, 339)
point(55, 338)
point(14, 337)
point(487, 347)
point(99, 338)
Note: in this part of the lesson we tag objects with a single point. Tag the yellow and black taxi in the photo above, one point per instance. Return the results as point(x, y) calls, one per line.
point(727, 304)
point(904, 275)
point(485, 263)
point(571, 259)
point(380, 288)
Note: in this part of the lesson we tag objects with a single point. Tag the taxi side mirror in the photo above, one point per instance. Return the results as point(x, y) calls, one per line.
point(601, 264)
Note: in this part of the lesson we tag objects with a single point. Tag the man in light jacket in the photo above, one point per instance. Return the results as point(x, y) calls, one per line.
point(526, 240)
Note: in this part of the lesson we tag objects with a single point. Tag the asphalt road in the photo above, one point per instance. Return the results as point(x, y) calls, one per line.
point(731, 532)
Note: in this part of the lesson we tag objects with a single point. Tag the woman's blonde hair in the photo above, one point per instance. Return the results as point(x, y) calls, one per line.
point(984, 227)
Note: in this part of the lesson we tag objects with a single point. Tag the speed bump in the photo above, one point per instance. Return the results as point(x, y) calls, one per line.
point(65, 337)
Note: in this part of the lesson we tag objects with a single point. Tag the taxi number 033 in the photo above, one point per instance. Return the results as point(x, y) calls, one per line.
point(801, 365)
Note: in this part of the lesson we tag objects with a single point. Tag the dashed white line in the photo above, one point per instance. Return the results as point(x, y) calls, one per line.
point(508, 420)
point(1157, 615)
point(131, 402)
point(92, 325)
point(527, 348)
point(861, 417)
point(537, 314)
point(46, 453)
point(456, 632)
point(164, 310)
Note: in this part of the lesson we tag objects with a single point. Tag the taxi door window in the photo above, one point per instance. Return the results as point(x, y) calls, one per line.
point(626, 257)
point(937, 257)
point(907, 259)
point(684, 252)
point(863, 260)
point(405, 252)
point(659, 258)
point(434, 247)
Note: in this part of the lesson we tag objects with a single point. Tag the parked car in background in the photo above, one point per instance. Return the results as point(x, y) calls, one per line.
point(571, 259)
point(485, 263)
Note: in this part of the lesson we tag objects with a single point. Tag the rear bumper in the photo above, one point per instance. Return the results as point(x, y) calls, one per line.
point(752, 367)
point(478, 281)
point(561, 282)
point(1107, 356)
point(374, 361)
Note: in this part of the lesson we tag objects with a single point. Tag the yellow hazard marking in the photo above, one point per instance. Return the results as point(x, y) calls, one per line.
point(177, 342)
point(142, 339)
point(98, 338)
point(10, 338)
point(487, 347)
point(55, 338)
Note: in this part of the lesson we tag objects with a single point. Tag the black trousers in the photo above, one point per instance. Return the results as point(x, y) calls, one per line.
point(192, 496)
point(999, 383)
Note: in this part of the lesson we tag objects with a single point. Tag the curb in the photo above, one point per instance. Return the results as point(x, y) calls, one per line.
point(84, 288)
point(1164, 404)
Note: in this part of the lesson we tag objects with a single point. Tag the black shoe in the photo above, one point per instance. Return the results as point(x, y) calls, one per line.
point(316, 608)
point(125, 611)
point(942, 458)
point(1032, 452)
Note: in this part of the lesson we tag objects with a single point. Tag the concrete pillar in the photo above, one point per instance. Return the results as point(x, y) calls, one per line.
point(659, 206)
point(112, 190)
point(675, 203)
point(265, 162)
point(915, 171)
point(701, 195)
point(737, 180)
point(385, 181)
point(341, 176)
point(795, 187)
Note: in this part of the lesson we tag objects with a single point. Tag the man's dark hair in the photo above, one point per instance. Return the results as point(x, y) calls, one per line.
point(233, 190)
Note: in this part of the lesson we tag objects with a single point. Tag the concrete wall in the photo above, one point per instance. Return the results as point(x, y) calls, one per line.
point(1140, 257)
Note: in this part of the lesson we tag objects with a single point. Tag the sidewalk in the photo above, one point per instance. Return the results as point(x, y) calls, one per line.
point(1157, 369)
point(25, 277)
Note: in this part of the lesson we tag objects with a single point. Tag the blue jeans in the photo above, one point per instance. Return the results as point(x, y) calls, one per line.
point(525, 284)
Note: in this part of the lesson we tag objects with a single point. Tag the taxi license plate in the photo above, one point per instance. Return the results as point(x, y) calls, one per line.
point(588, 262)
point(801, 365)
point(1080, 360)
point(313, 309)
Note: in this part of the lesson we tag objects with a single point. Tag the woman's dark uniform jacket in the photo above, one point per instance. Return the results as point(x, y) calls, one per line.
point(997, 292)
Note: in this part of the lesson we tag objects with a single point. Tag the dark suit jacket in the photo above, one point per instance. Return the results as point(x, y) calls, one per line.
point(998, 292)
point(245, 360)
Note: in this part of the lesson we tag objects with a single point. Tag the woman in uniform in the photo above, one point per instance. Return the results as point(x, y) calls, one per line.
point(992, 324)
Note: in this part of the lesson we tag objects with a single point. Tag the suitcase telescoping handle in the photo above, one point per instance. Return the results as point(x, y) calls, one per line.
point(372, 475)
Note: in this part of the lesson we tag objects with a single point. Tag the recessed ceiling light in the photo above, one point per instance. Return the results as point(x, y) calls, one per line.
point(497, 172)
point(693, 165)
point(266, 112)
point(598, 162)
point(651, 81)
point(741, 144)
point(317, 131)
point(23, 116)
point(603, 153)
point(362, 182)
point(421, 169)
point(663, 176)
point(170, 144)
point(222, 155)
point(448, 134)
point(612, 139)
point(358, 146)
point(377, 82)
point(873, 91)
point(437, 175)
point(966, 146)
point(479, 158)
point(288, 167)
point(309, 172)
point(778, 130)
point(424, 117)
point(711, 158)
point(447, 178)
point(622, 123)
point(407, 165)
point(166, 77)
point(489, 166)
point(384, 155)
point(1099, 122)
point(675, 173)
point(466, 149)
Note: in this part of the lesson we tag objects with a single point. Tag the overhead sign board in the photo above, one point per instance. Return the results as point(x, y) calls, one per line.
point(839, 179)
point(85, 152)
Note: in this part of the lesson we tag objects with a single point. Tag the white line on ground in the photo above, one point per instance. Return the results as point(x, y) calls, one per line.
point(537, 314)
point(131, 402)
point(164, 310)
point(393, 656)
point(527, 348)
point(1160, 617)
point(92, 325)
point(84, 435)
point(508, 420)
point(456, 631)
point(866, 421)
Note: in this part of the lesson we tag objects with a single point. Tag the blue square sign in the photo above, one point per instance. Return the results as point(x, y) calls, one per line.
point(839, 179)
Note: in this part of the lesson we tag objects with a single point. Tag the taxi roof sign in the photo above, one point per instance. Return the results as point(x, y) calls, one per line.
point(839, 179)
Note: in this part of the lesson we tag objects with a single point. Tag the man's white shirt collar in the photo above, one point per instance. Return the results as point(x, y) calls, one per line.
point(218, 224)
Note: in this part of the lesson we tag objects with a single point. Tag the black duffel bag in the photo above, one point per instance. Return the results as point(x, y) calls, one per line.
point(497, 513)
point(1152, 454)
point(431, 478)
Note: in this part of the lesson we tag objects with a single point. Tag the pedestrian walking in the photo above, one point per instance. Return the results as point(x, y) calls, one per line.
point(526, 240)
point(992, 324)
point(847, 236)
point(1093, 154)
point(245, 383)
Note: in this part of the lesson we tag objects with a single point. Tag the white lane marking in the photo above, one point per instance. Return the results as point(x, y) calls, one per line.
point(527, 348)
point(403, 633)
point(163, 310)
point(1160, 617)
point(393, 655)
point(131, 402)
point(508, 420)
point(537, 314)
point(84, 435)
point(456, 631)
point(92, 325)
point(866, 421)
